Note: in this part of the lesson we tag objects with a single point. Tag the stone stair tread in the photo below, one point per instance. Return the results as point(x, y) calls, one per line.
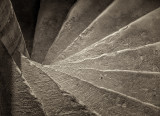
point(143, 58)
point(140, 85)
point(51, 16)
point(16, 96)
point(118, 15)
point(54, 100)
point(145, 30)
point(81, 15)
point(103, 101)
point(104, 59)
point(10, 32)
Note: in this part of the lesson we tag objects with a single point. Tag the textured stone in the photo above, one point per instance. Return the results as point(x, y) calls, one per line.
point(55, 101)
point(80, 16)
point(10, 33)
point(16, 96)
point(26, 12)
point(143, 58)
point(140, 85)
point(118, 15)
point(143, 31)
point(105, 102)
point(51, 16)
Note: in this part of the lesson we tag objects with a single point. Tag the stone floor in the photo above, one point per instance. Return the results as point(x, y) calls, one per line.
point(80, 58)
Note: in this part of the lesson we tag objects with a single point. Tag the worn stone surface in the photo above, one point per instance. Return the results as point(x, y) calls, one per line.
point(10, 33)
point(80, 16)
point(51, 16)
point(55, 101)
point(118, 15)
point(16, 96)
point(143, 31)
point(143, 58)
point(117, 73)
point(103, 101)
point(140, 85)
point(26, 12)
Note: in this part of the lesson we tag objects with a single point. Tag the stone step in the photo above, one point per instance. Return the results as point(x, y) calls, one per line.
point(104, 101)
point(143, 58)
point(118, 15)
point(145, 30)
point(51, 16)
point(140, 85)
point(55, 101)
point(10, 32)
point(16, 96)
point(80, 16)
point(26, 12)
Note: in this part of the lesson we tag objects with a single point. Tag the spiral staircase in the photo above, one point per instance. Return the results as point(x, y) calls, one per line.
point(80, 58)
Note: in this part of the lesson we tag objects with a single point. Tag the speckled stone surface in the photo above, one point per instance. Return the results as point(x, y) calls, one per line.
point(16, 96)
point(56, 102)
point(27, 12)
point(118, 15)
point(80, 16)
point(102, 100)
point(10, 32)
point(143, 31)
point(144, 58)
point(140, 85)
point(111, 69)
point(51, 16)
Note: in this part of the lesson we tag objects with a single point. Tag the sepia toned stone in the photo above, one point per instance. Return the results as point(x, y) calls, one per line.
point(145, 30)
point(102, 100)
point(118, 15)
point(56, 102)
point(51, 16)
point(16, 96)
point(80, 16)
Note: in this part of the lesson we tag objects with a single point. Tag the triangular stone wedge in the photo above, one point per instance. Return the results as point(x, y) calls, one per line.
point(118, 15)
point(143, 58)
point(56, 102)
point(51, 16)
point(145, 30)
point(144, 86)
point(80, 16)
point(16, 96)
point(105, 102)
point(10, 32)
point(26, 12)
